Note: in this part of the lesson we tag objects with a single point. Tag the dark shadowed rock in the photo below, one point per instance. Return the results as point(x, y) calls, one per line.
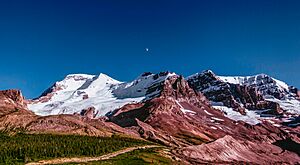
point(89, 112)
point(235, 96)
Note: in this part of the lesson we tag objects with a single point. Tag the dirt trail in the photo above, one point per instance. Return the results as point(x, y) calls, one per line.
point(88, 159)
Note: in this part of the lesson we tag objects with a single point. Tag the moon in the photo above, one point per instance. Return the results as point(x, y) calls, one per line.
point(147, 49)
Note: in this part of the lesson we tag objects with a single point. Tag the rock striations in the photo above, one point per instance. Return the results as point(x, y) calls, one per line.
point(205, 118)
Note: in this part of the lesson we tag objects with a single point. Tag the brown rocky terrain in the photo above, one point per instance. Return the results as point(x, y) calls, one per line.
point(10, 101)
point(182, 118)
point(15, 117)
point(164, 115)
point(179, 116)
point(228, 150)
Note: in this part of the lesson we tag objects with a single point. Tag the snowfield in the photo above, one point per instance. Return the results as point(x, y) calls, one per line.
point(80, 91)
point(253, 80)
point(251, 117)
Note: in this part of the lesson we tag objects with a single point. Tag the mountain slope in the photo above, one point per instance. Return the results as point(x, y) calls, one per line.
point(164, 118)
point(79, 91)
point(15, 117)
point(182, 118)
point(228, 150)
point(254, 97)
point(272, 90)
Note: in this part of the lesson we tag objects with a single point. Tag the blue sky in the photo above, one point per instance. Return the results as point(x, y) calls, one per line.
point(42, 41)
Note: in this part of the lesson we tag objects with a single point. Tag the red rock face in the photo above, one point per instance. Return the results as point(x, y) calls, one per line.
point(228, 150)
point(183, 118)
point(11, 100)
point(164, 115)
point(12, 96)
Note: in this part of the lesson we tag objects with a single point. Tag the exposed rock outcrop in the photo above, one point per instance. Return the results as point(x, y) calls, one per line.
point(89, 112)
point(179, 116)
point(165, 114)
point(11, 100)
point(236, 96)
point(228, 150)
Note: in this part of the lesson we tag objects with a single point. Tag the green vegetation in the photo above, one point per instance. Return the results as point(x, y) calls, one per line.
point(22, 148)
point(140, 157)
point(191, 138)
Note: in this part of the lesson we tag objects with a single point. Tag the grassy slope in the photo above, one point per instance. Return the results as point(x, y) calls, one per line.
point(140, 157)
point(22, 148)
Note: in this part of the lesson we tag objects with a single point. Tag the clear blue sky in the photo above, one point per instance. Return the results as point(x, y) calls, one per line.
point(42, 41)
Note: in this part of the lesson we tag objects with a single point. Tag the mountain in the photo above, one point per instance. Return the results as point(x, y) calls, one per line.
point(75, 93)
point(78, 92)
point(15, 117)
point(204, 118)
point(262, 94)
point(183, 118)
point(250, 99)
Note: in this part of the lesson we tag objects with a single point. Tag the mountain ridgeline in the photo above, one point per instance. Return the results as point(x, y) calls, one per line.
point(193, 115)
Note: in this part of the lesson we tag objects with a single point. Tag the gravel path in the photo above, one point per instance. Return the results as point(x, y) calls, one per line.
point(88, 159)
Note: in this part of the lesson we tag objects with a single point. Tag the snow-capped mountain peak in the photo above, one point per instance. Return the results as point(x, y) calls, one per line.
point(259, 79)
point(243, 93)
point(75, 93)
point(146, 85)
point(73, 81)
point(80, 91)
point(78, 76)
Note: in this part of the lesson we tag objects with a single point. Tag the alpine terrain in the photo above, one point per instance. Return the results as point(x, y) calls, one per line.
point(200, 119)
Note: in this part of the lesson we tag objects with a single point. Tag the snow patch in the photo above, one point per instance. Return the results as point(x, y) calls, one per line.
point(251, 117)
point(187, 111)
point(208, 113)
point(217, 119)
point(139, 87)
point(256, 80)
point(184, 110)
point(290, 105)
point(232, 80)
